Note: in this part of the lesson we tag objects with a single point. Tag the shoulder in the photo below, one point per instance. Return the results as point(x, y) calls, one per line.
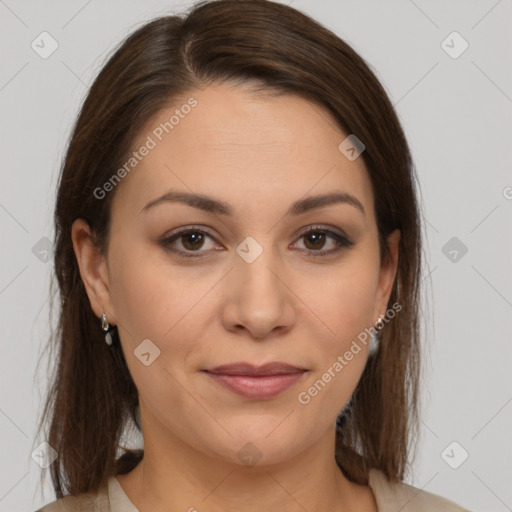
point(406, 498)
point(87, 502)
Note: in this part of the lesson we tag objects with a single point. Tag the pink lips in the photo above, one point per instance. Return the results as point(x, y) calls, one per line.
point(256, 382)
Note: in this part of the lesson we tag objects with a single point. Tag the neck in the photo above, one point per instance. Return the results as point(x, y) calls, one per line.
point(175, 476)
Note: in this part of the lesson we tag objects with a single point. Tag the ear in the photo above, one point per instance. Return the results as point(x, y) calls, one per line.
point(387, 274)
point(93, 270)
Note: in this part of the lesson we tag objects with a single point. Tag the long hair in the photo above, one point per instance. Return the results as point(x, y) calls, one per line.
point(92, 398)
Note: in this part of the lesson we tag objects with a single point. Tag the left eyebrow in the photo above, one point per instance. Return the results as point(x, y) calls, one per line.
point(320, 201)
point(211, 205)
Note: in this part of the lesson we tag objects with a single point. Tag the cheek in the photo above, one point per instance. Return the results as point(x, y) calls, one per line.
point(343, 306)
point(163, 303)
point(341, 351)
point(343, 301)
point(148, 295)
point(166, 309)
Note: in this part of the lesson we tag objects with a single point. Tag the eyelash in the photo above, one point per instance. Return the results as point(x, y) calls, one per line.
point(342, 241)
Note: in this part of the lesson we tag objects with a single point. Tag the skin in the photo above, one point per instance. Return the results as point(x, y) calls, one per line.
point(259, 155)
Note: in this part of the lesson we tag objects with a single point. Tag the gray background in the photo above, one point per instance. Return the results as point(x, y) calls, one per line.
point(457, 115)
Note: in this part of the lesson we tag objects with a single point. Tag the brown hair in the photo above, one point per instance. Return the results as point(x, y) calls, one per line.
point(92, 397)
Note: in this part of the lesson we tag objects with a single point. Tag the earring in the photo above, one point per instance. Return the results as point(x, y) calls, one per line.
point(106, 328)
point(379, 324)
point(375, 336)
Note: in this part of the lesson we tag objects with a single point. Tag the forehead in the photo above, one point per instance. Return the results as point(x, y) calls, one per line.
point(244, 149)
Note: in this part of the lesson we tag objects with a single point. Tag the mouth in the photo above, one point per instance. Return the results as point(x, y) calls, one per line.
point(256, 382)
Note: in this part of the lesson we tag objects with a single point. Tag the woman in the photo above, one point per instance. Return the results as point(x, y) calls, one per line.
point(238, 252)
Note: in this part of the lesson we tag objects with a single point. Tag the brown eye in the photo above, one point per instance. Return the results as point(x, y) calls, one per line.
point(192, 240)
point(316, 239)
point(187, 242)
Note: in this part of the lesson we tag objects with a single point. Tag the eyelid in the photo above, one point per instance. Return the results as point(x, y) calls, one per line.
point(174, 235)
point(340, 238)
point(343, 240)
point(325, 229)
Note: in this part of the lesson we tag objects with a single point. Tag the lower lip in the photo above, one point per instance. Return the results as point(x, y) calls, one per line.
point(257, 387)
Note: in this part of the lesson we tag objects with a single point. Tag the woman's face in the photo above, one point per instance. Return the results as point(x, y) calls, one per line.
point(247, 286)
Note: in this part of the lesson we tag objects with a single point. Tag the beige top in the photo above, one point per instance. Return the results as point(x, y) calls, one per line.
point(390, 498)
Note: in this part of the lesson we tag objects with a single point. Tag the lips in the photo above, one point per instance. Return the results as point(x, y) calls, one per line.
point(256, 382)
point(250, 370)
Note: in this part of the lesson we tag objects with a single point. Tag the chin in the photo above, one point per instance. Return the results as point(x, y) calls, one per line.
point(258, 443)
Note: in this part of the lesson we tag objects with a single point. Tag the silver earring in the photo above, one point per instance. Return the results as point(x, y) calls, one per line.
point(379, 324)
point(375, 336)
point(374, 343)
point(106, 328)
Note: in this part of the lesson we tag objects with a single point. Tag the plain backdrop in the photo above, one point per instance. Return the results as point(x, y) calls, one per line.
point(455, 105)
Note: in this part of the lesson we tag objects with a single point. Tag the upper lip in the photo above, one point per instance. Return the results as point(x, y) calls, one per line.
point(275, 368)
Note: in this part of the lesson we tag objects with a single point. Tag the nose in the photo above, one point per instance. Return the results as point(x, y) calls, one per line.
point(258, 298)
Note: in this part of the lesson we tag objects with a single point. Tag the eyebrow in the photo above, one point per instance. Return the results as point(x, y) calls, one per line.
point(211, 205)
